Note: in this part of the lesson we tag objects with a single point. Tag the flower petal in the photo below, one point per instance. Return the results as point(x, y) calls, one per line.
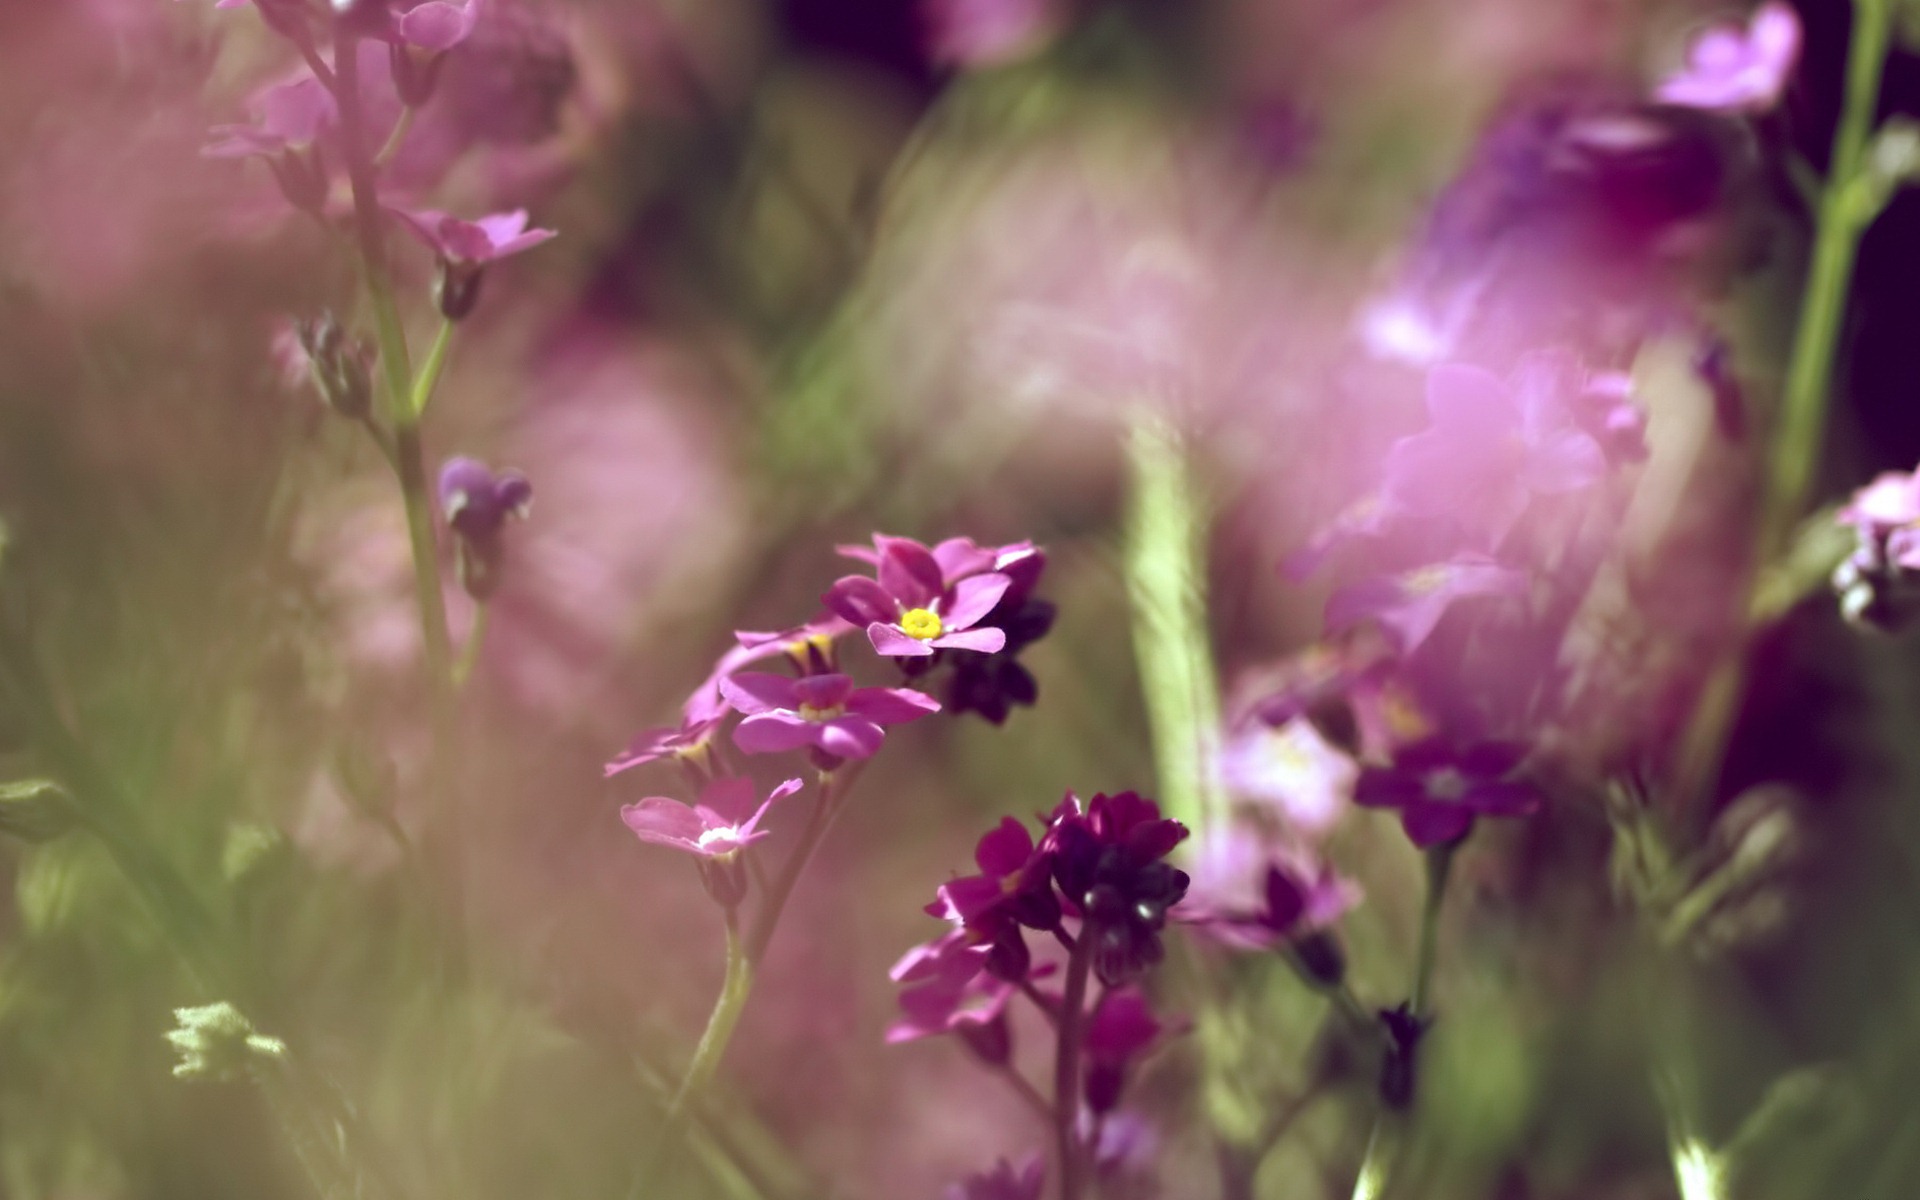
point(861, 600)
point(850, 737)
point(986, 641)
point(773, 732)
point(971, 599)
point(891, 706)
point(1432, 824)
point(909, 571)
point(892, 642)
point(759, 691)
point(664, 822)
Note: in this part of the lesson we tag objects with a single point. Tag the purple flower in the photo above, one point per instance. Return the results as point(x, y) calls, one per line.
point(1732, 70)
point(1013, 890)
point(721, 823)
point(911, 609)
point(1292, 770)
point(287, 116)
point(1004, 1182)
point(1492, 445)
point(1252, 894)
point(465, 248)
point(477, 504)
point(473, 243)
point(1120, 1031)
point(1108, 863)
point(1409, 604)
point(952, 993)
point(810, 647)
point(437, 25)
point(986, 33)
point(1886, 516)
point(1439, 789)
point(690, 741)
point(825, 712)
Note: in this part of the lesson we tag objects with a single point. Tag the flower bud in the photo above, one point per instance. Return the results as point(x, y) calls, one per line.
point(216, 1042)
point(340, 366)
point(725, 878)
point(457, 289)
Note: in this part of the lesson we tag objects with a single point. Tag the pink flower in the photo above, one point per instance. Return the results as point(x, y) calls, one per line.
point(688, 741)
point(822, 711)
point(1409, 604)
point(986, 33)
point(287, 116)
point(1254, 893)
point(721, 823)
point(912, 609)
point(472, 243)
point(1738, 71)
point(1291, 769)
point(437, 25)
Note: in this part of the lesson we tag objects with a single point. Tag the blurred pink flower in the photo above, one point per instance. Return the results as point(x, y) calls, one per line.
point(1004, 1182)
point(1739, 71)
point(723, 820)
point(287, 116)
point(1292, 770)
point(1253, 892)
point(466, 243)
point(823, 711)
point(1409, 604)
point(987, 33)
point(437, 25)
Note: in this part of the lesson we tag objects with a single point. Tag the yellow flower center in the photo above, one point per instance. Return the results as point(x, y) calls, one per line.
point(922, 623)
point(810, 713)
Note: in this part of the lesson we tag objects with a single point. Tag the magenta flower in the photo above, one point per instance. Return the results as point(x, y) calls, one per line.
point(687, 742)
point(1492, 445)
point(952, 993)
point(473, 243)
point(1409, 604)
point(986, 33)
point(1886, 515)
point(810, 647)
point(437, 25)
point(721, 823)
point(911, 610)
point(825, 712)
point(1004, 1182)
point(1251, 894)
point(1439, 789)
point(466, 248)
point(1732, 70)
point(1108, 861)
point(287, 116)
point(1014, 890)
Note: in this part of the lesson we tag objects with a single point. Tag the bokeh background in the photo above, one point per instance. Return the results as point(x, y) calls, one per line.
point(826, 267)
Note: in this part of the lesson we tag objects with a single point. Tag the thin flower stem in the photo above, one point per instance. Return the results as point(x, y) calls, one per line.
point(397, 136)
point(1066, 1070)
point(1026, 1091)
point(833, 790)
point(429, 377)
point(1844, 209)
point(1166, 586)
point(404, 401)
point(470, 652)
point(734, 990)
point(1376, 1166)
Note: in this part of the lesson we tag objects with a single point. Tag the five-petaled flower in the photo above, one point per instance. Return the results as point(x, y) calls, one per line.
point(1439, 789)
point(1738, 71)
point(465, 248)
point(722, 822)
point(825, 712)
point(913, 608)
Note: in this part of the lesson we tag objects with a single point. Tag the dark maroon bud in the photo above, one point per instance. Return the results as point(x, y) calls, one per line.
point(457, 289)
point(725, 879)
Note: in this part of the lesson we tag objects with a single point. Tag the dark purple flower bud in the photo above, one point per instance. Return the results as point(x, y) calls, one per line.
point(991, 1040)
point(1107, 863)
point(477, 504)
point(1397, 1076)
point(1122, 1030)
point(339, 365)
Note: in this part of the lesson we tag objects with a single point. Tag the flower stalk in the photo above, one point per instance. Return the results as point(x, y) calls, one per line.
point(1066, 1073)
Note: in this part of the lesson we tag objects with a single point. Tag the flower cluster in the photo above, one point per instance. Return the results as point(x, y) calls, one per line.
point(937, 603)
point(1097, 883)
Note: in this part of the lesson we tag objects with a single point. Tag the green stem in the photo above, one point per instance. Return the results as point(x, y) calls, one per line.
point(1845, 209)
point(395, 137)
point(470, 653)
point(734, 990)
point(1166, 585)
point(1066, 1068)
point(429, 377)
point(1439, 868)
point(833, 789)
point(1376, 1166)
